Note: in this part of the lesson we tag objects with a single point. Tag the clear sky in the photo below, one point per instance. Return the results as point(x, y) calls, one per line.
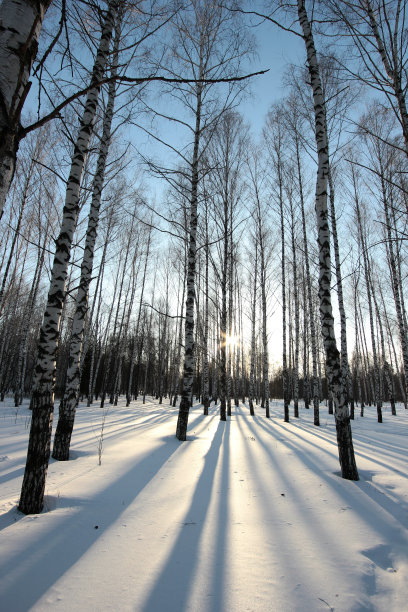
point(276, 50)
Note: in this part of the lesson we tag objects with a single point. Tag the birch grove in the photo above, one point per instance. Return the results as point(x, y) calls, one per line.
point(155, 243)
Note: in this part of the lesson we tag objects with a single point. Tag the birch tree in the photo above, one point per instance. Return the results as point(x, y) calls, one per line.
point(20, 27)
point(263, 255)
point(71, 394)
point(293, 121)
point(206, 46)
point(377, 30)
point(342, 417)
point(377, 132)
point(274, 136)
point(137, 329)
point(42, 400)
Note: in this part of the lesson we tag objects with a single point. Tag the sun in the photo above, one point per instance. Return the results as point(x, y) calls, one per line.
point(231, 341)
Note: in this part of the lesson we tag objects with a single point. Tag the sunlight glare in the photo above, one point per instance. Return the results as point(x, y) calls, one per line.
point(231, 341)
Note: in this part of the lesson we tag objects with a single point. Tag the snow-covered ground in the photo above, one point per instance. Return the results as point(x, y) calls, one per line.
point(250, 514)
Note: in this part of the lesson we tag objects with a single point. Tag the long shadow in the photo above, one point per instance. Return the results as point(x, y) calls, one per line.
point(397, 509)
point(277, 540)
point(348, 490)
point(172, 588)
point(11, 475)
point(367, 506)
point(278, 429)
point(56, 549)
point(376, 435)
point(117, 427)
point(220, 533)
point(294, 434)
point(362, 442)
point(391, 447)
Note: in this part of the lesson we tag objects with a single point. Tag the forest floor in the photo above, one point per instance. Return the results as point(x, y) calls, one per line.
point(247, 515)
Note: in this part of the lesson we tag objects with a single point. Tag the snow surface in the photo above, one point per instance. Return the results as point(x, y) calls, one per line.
point(250, 514)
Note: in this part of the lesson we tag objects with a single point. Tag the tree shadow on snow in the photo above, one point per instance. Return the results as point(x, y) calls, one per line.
point(61, 547)
point(173, 587)
point(366, 497)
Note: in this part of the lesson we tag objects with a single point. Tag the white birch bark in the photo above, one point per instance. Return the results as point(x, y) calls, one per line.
point(306, 341)
point(137, 329)
point(357, 346)
point(20, 26)
point(98, 298)
point(189, 361)
point(230, 285)
point(69, 405)
point(223, 313)
point(132, 291)
point(285, 390)
point(113, 374)
point(396, 286)
point(206, 379)
point(367, 274)
point(316, 394)
point(368, 379)
point(237, 348)
point(22, 354)
point(242, 354)
point(16, 237)
point(339, 282)
point(392, 343)
point(180, 334)
point(296, 305)
point(385, 365)
point(265, 360)
point(342, 417)
point(147, 367)
point(42, 400)
point(215, 363)
point(251, 391)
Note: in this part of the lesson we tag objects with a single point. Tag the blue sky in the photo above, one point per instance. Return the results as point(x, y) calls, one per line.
point(276, 49)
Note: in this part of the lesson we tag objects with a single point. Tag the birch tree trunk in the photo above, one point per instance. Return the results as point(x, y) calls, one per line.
point(385, 365)
point(230, 286)
point(285, 385)
point(180, 333)
point(69, 405)
point(342, 417)
point(93, 371)
point(306, 341)
point(14, 242)
point(206, 380)
point(367, 274)
point(148, 353)
point(339, 282)
point(42, 400)
point(223, 314)
point(188, 367)
point(20, 26)
point(394, 352)
point(316, 394)
point(262, 279)
point(356, 343)
point(368, 380)
point(396, 286)
point(251, 392)
point(135, 346)
point(296, 305)
point(22, 354)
